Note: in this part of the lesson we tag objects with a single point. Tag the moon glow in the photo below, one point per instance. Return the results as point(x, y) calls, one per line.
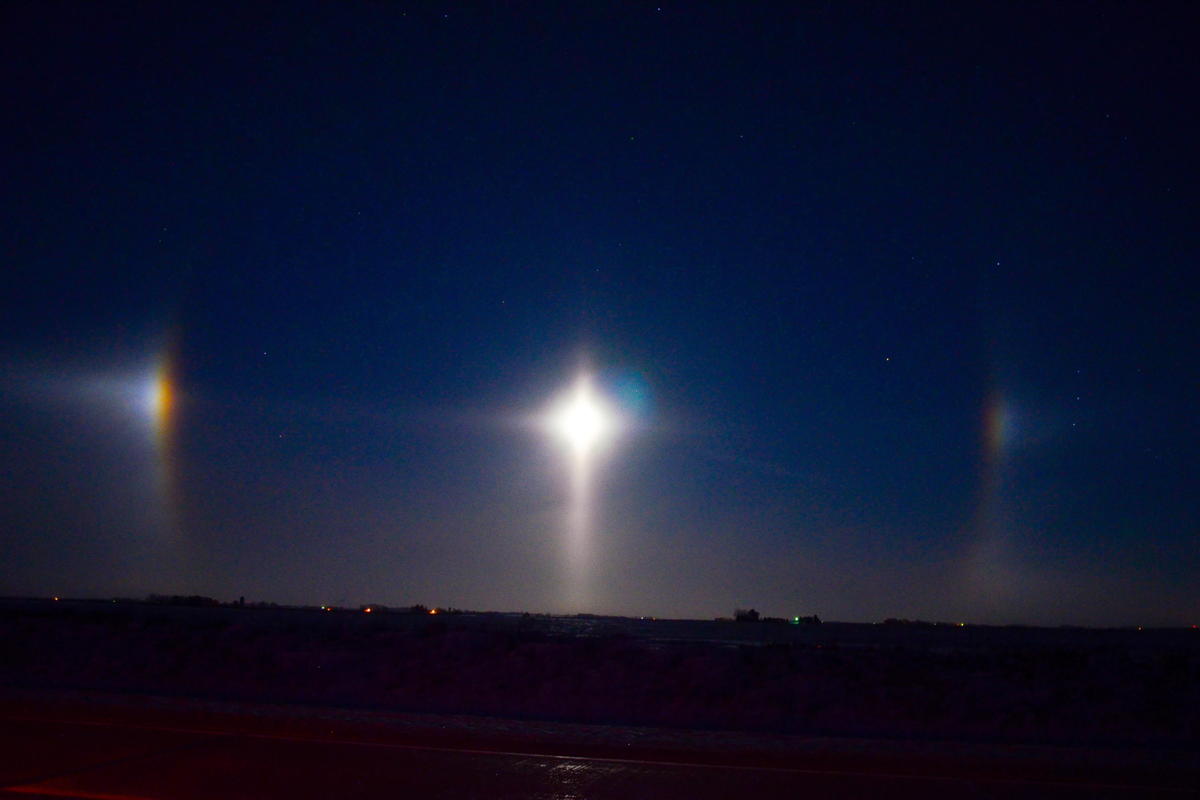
point(584, 422)
point(582, 419)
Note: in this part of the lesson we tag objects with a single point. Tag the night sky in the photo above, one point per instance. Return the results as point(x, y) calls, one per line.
point(896, 303)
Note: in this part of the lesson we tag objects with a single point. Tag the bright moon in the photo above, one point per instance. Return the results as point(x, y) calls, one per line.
point(582, 419)
point(159, 398)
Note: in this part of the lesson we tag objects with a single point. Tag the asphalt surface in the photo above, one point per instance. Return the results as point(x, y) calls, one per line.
point(115, 753)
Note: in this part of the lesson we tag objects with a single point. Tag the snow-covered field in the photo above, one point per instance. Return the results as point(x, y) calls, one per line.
point(1023, 685)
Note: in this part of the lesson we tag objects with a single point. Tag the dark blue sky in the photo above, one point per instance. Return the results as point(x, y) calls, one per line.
point(899, 301)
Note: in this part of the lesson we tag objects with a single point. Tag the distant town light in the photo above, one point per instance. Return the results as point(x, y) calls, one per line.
point(367, 610)
point(433, 611)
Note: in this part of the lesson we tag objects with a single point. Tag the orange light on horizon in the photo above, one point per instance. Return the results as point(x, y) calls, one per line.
point(367, 610)
point(433, 611)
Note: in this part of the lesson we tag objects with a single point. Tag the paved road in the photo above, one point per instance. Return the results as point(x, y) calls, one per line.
point(136, 759)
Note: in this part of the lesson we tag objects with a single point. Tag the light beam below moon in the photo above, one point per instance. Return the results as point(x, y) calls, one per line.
point(583, 420)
